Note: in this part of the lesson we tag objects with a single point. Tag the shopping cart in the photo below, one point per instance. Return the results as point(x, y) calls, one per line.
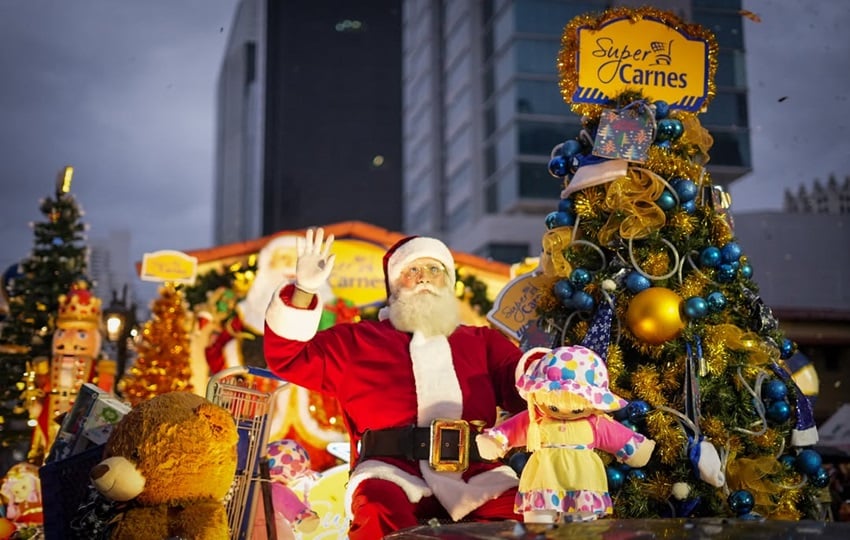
point(249, 394)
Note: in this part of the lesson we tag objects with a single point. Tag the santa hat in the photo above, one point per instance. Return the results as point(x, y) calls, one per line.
point(411, 248)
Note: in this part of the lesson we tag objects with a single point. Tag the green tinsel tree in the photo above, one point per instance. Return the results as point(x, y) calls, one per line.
point(58, 258)
point(699, 357)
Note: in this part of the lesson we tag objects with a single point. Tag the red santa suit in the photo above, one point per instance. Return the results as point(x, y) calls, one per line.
point(386, 378)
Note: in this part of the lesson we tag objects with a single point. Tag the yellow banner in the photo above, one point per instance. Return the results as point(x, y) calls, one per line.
point(661, 61)
point(516, 305)
point(169, 265)
point(358, 274)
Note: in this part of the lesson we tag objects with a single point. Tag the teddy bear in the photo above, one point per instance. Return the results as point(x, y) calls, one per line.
point(568, 397)
point(172, 459)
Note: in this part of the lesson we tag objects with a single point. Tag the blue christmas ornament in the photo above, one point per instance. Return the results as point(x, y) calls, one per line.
point(689, 207)
point(629, 424)
point(669, 129)
point(616, 477)
point(786, 350)
point(636, 474)
point(662, 109)
point(559, 219)
point(582, 301)
point(559, 166)
point(696, 307)
point(580, 277)
point(788, 460)
point(746, 271)
point(666, 201)
point(741, 502)
point(808, 462)
point(710, 257)
point(778, 412)
point(566, 206)
point(774, 390)
point(820, 479)
point(563, 290)
point(725, 273)
point(731, 252)
point(686, 190)
point(716, 301)
point(637, 410)
point(637, 282)
point(570, 148)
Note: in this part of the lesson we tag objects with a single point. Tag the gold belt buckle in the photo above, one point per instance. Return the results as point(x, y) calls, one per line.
point(441, 440)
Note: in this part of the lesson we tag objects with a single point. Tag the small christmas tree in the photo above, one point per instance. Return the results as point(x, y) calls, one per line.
point(642, 252)
point(163, 361)
point(58, 258)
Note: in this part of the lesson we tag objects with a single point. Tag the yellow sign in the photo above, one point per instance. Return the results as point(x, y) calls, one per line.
point(656, 58)
point(169, 265)
point(516, 305)
point(358, 274)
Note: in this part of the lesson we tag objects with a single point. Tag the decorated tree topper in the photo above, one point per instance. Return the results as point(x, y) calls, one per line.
point(644, 50)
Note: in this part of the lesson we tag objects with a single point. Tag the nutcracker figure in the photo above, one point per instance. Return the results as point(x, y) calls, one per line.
point(75, 360)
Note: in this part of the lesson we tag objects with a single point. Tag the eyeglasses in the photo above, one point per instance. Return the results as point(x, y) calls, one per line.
point(417, 272)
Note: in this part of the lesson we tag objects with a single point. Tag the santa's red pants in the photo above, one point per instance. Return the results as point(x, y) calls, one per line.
point(381, 507)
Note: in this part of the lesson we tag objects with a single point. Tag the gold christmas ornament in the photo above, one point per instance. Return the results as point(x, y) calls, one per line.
point(654, 315)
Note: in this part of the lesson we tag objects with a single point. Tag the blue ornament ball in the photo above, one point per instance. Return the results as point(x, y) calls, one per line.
point(710, 257)
point(808, 462)
point(696, 307)
point(746, 271)
point(686, 190)
point(725, 273)
point(778, 412)
point(636, 474)
point(570, 148)
point(666, 201)
point(559, 166)
point(716, 301)
point(559, 219)
point(669, 129)
point(637, 282)
point(689, 207)
point(786, 350)
point(741, 502)
point(566, 206)
point(563, 289)
point(517, 461)
point(662, 109)
point(637, 410)
point(774, 389)
point(580, 277)
point(820, 479)
point(788, 460)
point(582, 301)
point(616, 477)
point(731, 252)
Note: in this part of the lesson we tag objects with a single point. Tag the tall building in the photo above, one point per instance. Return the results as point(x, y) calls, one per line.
point(482, 110)
point(309, 117)
point(110, 265)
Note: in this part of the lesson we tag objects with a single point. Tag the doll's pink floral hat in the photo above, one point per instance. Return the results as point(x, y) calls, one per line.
point(574, 368)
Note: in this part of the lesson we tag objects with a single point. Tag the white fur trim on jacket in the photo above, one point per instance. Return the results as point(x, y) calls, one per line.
point(414, 487)
point(290, 322)
point(418, 248)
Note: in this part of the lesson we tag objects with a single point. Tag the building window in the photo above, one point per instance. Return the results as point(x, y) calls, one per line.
point(505, 252)
point(535, 182)
point(538, 138)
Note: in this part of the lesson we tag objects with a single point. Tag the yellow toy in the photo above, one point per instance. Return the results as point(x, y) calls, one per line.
point(568, 396)
point(174, 459)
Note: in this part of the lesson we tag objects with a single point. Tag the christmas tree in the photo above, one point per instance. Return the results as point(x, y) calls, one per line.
point(58, 258)
point(163, 361)
point(642, 251)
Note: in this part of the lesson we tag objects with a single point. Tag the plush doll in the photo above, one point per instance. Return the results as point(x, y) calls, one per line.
point(21, 489)
point(173, 459)
point(568, 396)
point(289, 470)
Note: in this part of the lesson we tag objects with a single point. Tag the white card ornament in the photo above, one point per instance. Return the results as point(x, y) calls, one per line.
point(595, 174)
point(625, 134)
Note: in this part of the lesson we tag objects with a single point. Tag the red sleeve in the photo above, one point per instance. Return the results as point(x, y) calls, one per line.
point(503, 356)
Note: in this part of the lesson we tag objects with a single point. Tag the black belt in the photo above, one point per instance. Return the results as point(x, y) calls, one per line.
point(448, 445)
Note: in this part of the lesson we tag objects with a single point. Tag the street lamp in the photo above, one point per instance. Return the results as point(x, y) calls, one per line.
point(120, 320)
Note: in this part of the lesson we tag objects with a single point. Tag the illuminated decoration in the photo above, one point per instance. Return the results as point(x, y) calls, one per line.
point(169, 265)
point(63, 181)
point(645, 50)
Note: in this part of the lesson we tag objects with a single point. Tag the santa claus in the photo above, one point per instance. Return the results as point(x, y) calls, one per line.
point(415, 386)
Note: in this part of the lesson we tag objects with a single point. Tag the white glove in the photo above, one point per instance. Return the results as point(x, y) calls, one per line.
point(314, 263)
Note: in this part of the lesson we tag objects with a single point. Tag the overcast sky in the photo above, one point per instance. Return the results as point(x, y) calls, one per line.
point(124, 91)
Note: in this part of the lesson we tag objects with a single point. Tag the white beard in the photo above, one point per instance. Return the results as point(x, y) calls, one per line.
point(435, 313)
